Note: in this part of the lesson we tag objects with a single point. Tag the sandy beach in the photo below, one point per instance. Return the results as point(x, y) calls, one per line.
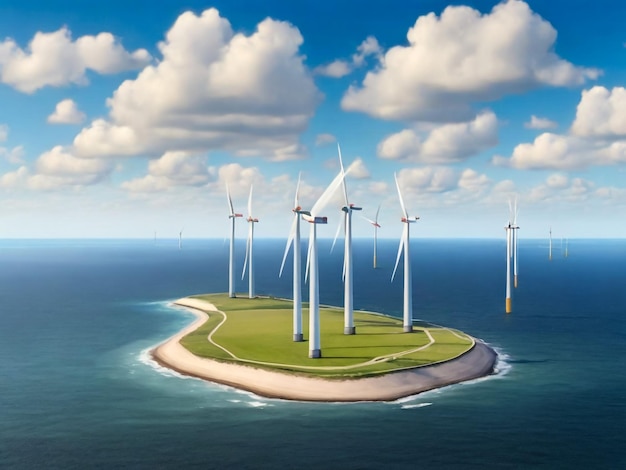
point(477, 362)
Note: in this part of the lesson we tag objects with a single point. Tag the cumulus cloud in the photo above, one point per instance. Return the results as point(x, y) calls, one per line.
point(558, 187)
point(324, 139)
point(428, 179)
point(170, 170)
point(54, 59)
point(460, 58)
point(358, 170)
point(340, 68)
point(66, 112)
point(601, 113)
point(540, 123)
point(444, 144)
point(248, 94)
point(14, 155)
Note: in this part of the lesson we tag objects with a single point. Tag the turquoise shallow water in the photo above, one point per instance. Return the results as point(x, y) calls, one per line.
point(77, 389)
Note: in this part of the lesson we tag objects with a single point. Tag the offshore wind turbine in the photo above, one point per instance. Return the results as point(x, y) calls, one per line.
point(180, 239)
point(509, 236)
point(312, 269)
point(294, 238)
point(408, 281)
point(231, 258)
point(249, 260)
point(514, 229)
point(376, 227)
point(348, 309)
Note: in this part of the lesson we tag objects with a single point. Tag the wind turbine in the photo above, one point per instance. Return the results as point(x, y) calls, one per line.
point(509, 231)
point(249, 246)
point(376, 227)
point(514, 229)
point(180, 239)
point(404, 246)
point(550, 251)
point(294, 237)
point(349, 328)
point(566, 246)
point(231, 269)
point(312, 270)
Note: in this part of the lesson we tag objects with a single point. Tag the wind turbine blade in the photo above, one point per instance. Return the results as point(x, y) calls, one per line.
point(343, 181)
point(332, 247)
point(406, 215)
point(400, 248)
point(250, 203)
point(369, 220)
point(377, 212)
point(245, 262)
point(296, 200)
point(308, 255)
point(292, 234)
point(328, 193)
point(230, 201)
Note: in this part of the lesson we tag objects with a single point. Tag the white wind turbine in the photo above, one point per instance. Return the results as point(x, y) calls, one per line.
point(509, 230)
point(404, 246)
point(349, 328)
point(180, 239)
point(550, 250)
point(514, 228)
point(376, 227)
point(231, 259)
point(294, 237)
point(312, 270)
point(249, 260)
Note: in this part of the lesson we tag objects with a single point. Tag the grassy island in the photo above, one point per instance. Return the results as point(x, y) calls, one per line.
point(257, 332)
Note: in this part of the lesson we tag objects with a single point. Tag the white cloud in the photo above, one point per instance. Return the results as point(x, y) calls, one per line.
point(324, 139)
point(558, 187)
point(53, 59)
point(14, 179)
point(170, 170)
point(428, 179)
point(473, 181)
point(340, 67)
point(4, 132)
point(336, 69)
point(66, 112)
point(540, 123)
point(460, 58)
point(14, 155)
point(601, 113)
point(213, 89)
point(444, 144)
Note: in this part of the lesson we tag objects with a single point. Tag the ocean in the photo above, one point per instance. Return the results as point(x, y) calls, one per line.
point(78, 389)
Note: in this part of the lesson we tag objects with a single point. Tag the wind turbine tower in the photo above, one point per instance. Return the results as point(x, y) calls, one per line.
point(180, 239)
point(231, 259)
point(514, 229)
point(550, 250)
point(294, 237)
point(249, 260)
point(509, 236)
point(408, 281)
point(349, 328)
point(312, 271)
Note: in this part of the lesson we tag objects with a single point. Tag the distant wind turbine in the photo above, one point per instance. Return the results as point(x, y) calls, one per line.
point(231, 269)
point(312, 270)
point(294, 238)
point(408, 281)
point(509, 236)
point(180, 239)
point(349, 328)
point(514, 228)
point(249, 260)
point(566, 248)
point(550, 250)
point(376, 227)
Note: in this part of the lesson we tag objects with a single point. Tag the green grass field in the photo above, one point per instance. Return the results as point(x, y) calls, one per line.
point(259, 332)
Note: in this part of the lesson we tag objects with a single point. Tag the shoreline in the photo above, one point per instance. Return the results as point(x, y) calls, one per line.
point(478, 362)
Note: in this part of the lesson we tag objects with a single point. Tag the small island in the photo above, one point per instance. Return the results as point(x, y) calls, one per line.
point(246, 343)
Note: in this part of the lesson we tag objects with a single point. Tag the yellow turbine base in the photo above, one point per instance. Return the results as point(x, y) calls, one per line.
point(508, 305)
point(515, 281)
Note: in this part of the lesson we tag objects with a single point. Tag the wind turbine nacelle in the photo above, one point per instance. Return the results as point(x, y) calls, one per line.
point(250, 219)
point(315, 220)
point(375, 224)
point(409, 220)
point(296, 209)
point(232, 216)
point(351, 207)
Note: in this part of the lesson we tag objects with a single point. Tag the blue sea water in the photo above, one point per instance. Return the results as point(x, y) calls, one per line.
point(77, 389)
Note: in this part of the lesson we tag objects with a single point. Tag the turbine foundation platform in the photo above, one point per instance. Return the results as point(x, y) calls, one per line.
point(349, 330)
point(298, 337)
point(408, 328)
point(315, 353)
point(508, 305)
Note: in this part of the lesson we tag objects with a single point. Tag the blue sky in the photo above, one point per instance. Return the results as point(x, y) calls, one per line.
point(121, 118)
